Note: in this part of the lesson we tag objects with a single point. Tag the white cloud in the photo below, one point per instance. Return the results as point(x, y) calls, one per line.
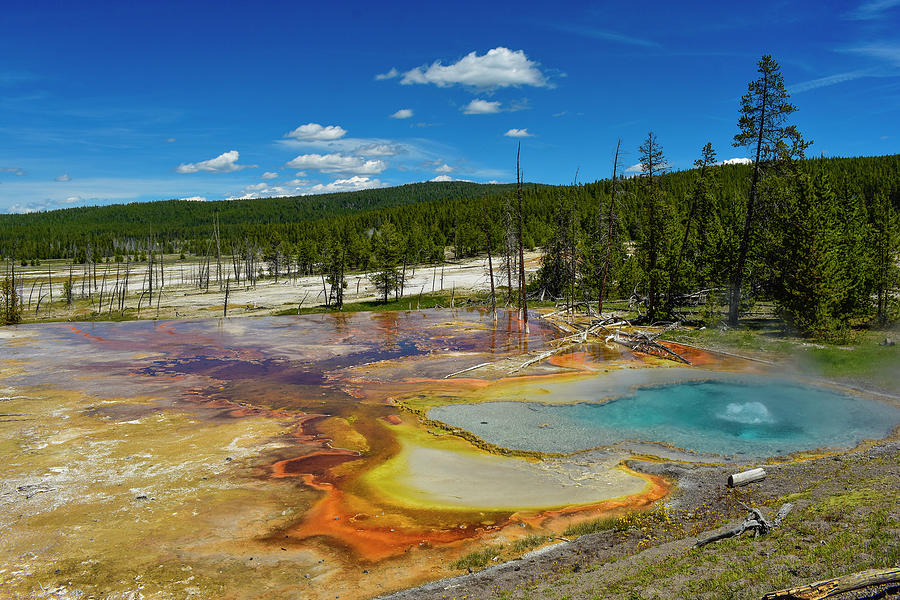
point(518, 133)
point(300, 173)
point(403, 113)
point(297, 182)
point(379, 150)
point(448, 178)
point(269, 175)
point(889, 52)
point(444, 168)
point(500, 67)
point(872, 9)
point(316, 132)
point(170, 140)
point(735, 161)
point(635, 168)
point(63, 177)
point(260, 190)
point(338, 163)
point(481, 107)
point(813, 84)
point(346, 185)
point(195, 199)
point(224, 163)
point(14, 170)
point(389, 75)
point(72, 200)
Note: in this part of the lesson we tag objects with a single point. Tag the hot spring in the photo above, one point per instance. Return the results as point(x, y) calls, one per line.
point(749, 417)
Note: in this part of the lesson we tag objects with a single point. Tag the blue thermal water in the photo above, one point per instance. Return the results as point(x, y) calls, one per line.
point(757, 417)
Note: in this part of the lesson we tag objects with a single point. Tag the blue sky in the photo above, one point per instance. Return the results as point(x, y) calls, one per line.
point(118, 102)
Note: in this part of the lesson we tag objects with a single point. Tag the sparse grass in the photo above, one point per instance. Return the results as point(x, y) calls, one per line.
point(477, 559)
point(593, 526)
point(528, 542)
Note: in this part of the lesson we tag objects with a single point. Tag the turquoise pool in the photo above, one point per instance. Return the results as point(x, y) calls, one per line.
point(748, 417)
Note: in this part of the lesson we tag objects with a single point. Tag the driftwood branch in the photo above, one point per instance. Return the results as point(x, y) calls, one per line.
point(838, 585)
point(755, 522)
point(647, 344)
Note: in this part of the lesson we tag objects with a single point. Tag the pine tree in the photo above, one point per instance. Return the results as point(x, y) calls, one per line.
point(885, 245)
point(699, 199)
point(812, 267)
point(653, 230)
point(386, 251)
point(763, 128)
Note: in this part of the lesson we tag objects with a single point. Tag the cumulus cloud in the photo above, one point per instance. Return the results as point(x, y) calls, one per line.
point(224, 163)
point(346, 185)
point(269, 175)
point(635, 168)
point(735, 161)
point(403, 113)
point(72, 200)
point(195, 199)
point(444, 168)
point(518, 133)
point(500, 67)
point(338, 163)
point(389, 75)
point(63, 177)
point(481, 107)
point(317, 133)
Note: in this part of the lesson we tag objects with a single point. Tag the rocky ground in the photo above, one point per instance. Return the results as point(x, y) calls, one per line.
point(846, 518)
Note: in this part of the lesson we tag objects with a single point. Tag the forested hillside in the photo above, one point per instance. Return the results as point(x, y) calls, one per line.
point(825, 247)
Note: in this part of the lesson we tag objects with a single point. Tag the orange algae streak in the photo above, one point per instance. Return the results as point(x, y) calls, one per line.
point(84, 333)
point(315, 465)
point(697, 356)
point(328, 518)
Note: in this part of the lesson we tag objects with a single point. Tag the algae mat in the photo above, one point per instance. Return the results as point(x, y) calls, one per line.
point(265, 458)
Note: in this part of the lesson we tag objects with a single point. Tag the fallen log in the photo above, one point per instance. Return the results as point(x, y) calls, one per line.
point(641, 342)
point(745, 477)
point(838, 585)
point(755, 522)
point(467, 369)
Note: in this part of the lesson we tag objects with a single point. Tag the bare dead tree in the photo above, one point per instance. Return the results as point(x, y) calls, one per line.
point(523, 302)
point(610, 220)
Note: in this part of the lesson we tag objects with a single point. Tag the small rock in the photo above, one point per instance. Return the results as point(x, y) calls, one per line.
point(888, 342)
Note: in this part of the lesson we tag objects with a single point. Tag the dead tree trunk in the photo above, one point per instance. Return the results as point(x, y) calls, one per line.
point(487, 239)
point(523, 302)
point(610, 218)
point(838, 585)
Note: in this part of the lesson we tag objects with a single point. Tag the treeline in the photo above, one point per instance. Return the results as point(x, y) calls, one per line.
point(176, 224)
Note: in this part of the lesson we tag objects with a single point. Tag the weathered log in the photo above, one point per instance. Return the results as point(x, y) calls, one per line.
point(466, 370)
point(745, 477)
point(838, 585)
point(754, 522)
